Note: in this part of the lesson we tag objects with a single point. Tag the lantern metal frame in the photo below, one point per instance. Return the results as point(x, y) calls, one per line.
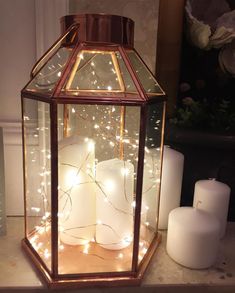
point(141, 99)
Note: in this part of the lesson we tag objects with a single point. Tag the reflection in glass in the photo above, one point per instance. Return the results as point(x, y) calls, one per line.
point(99, 72)
point(125, 75)
point(151, 177)
point(94, 71)
point(148, 81)
point(98, 156)
point(45, 80)
point(38, 176)
point(67, 40)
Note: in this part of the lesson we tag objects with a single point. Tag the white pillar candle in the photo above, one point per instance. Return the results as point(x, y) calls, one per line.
point(114, 203)
point(193, 237)
point(213, 196)
point(76, 190)
point(171, 184)
point(150, 191)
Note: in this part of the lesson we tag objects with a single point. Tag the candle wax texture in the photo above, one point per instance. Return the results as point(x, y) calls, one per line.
point(213, 196)
point(171, 183)
point(114, 197)
point(76, 190)
point(193, 237)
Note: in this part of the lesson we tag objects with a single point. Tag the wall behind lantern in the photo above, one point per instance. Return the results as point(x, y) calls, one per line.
point(17, 55)
point(143, 13)
point(36, 25)
point(27, 29)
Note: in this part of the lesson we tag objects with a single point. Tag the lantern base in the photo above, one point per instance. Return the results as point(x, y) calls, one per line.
point(111, 279)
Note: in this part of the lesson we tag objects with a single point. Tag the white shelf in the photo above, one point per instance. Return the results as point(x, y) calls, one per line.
point(163, 275)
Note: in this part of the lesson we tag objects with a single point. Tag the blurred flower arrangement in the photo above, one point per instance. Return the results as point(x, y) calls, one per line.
point(206, 97)
point(199, 115)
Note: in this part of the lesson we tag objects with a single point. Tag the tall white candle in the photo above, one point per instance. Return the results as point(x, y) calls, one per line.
point(193, 237)
point(213, 196)
point(114, 208)
point(76, 190)
point(150, 191)
point(171, 184)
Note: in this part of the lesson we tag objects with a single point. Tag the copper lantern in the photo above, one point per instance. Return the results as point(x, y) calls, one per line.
point(93, 119)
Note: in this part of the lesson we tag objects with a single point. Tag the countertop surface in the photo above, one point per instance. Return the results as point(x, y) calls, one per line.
point(163, 274)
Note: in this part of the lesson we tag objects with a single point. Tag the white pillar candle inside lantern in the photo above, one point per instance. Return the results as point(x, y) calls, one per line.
point(193, 237)
point(76, 190)
point(213, 196)
point(172, 175)
point(114, 208)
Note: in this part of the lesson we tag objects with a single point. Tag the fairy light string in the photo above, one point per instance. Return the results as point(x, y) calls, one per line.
point(105, 128)
point(67, 193)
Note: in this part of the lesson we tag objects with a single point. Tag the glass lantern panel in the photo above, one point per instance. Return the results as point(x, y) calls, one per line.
point(98, 156)
point(68, 39)
point(49, 68)
point(151, 177)
point(38, 176)
point(146, 78)
point(99, 72)
point(45, 80)
point(125, 75)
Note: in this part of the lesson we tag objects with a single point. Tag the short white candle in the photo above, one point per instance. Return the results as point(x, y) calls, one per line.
point(171, 183)
point(76, 190)
point(193, 237)
point(114, 203)
point(213, 196)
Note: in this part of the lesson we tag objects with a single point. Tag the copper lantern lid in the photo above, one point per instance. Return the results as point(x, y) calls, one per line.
point(101, 28)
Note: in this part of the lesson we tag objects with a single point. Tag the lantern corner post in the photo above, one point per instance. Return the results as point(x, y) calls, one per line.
point(54, 188)
point(140, 168)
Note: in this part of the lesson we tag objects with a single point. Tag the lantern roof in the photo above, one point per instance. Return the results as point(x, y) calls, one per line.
point(94, 60)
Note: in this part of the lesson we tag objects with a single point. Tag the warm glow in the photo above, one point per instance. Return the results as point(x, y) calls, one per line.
point(125, 171)
point(120, 255)
point(88, 182)
point(109, 185)
point(133, 204)
point(46, 253)
point(72, 178)
point(91, 146)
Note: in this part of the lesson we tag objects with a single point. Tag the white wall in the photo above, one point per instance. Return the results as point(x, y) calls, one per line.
point(47, 16)
point(17, 53)
point(17, 56)
point(143, 12)
point(27, 29)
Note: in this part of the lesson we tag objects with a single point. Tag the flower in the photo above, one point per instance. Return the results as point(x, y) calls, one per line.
point(184, 87)
point(227, 58)
point(211, 24)
point(188, 101)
